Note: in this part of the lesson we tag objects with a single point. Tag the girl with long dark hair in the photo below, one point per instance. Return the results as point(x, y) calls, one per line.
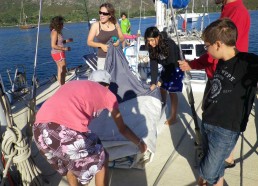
point(164, 51)
point(58, 49)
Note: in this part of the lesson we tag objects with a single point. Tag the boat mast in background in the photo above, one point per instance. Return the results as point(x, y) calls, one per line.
point(23, 19)
point(87, 13)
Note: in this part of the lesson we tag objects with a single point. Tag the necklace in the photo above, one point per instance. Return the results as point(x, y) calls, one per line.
point(106, 24)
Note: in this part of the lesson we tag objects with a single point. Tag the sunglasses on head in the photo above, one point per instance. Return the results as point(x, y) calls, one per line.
point(104, 13)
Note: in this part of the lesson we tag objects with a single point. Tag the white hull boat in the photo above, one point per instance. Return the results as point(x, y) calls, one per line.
point(93, 21)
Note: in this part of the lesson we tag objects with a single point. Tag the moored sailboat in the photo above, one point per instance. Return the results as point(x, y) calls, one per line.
point(23, 19)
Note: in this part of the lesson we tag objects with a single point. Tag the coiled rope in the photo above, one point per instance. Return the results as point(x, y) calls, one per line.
point(17, 152)
point(15, 147)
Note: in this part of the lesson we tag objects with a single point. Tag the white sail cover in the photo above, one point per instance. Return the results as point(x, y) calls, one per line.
point(141, 111)
point(142, 115)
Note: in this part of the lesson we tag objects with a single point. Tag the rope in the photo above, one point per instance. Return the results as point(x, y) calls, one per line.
point(15, 148)
point(17, 151)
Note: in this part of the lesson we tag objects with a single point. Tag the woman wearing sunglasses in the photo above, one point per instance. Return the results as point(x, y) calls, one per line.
point(101, 32)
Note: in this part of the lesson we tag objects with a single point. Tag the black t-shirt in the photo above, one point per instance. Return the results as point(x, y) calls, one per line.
point(168, 64)
point(232, 92)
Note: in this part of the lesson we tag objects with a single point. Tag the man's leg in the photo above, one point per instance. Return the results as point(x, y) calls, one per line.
point(231, 160)
point(220, 143)
point(202, 182)
point(101, 178)
point(72, 180)
point(220, 182)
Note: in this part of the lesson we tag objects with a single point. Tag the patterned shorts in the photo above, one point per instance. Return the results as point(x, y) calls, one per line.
point(69, 150)
point(174, 84)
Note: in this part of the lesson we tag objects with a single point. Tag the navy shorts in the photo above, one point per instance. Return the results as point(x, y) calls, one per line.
point(67, 150)
point(174, 84)
point(217, 146)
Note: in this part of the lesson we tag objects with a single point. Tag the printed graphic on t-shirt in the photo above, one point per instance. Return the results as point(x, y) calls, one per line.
point(217, 88)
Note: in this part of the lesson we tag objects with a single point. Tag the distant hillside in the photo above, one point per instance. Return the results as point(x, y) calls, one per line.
point(83, 10)
point(72, 10)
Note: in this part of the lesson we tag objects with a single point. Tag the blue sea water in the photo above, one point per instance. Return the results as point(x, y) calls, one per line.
point(19, 46)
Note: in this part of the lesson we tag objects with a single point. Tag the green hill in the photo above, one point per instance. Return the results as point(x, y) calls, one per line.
point(83, 10)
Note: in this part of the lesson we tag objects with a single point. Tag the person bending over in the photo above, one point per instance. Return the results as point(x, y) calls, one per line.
point(61, 129)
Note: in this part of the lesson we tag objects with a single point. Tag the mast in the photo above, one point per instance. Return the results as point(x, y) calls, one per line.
point(86, 12)
point(144, 8)
point(139, 30)
point(193, 7)
point(22, 14)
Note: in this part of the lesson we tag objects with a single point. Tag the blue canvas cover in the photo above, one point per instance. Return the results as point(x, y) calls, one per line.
point(124, 84)
point(177, 3)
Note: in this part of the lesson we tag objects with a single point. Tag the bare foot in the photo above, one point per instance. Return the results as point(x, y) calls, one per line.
point(171, 122)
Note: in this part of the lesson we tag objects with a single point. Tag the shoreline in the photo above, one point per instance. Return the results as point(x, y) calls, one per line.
point(69, 22)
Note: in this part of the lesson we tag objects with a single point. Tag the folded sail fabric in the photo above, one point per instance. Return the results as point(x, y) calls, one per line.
point(141, 111)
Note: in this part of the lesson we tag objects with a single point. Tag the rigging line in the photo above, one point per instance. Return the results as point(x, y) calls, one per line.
point(38, 98)
point(32, 101)
point(89, 25)
point(36, 53)
point(187, 82)
point(20, 153)
point(20, 98)
point(45, 63)
point(168, 162)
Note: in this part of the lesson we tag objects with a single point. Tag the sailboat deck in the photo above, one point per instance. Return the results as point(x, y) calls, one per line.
point(175, 161)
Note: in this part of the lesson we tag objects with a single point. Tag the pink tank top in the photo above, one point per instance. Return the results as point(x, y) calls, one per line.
point(60, 43)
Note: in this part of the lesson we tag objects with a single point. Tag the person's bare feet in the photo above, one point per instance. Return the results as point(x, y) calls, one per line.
point(171, 121)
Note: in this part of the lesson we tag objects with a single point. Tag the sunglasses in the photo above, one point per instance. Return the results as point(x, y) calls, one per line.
point(104, 13)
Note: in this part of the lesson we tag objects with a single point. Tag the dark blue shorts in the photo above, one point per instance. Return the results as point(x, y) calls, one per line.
point(174, 83)
point(217, 146)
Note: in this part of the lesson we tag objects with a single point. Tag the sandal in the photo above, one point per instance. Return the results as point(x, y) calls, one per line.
point(229, 165)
